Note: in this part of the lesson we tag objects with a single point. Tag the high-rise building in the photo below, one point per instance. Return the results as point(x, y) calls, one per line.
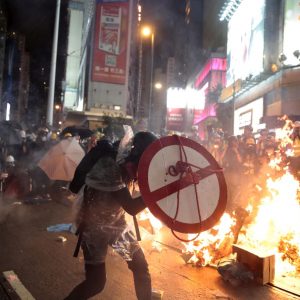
point(74, 50)
point(198, 33)
point(24, 80)
point(263, 62)
point(104, 32)
point(3, 23)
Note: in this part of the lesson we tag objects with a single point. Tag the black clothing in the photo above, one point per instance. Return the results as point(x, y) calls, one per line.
point(102, 223)
point(103, 148)
point(96, 279)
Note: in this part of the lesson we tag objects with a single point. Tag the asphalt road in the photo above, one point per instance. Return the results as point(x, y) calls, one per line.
point(48, 270)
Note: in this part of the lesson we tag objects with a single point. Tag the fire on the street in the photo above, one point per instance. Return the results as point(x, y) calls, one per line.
point(272, 225)
point(275, 229)
point(276, 226)
point(269, 224)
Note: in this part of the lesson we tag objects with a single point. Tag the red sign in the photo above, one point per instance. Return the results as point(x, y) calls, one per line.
point(110, 42)
point(214, 64)
point(175, 119)
point(182, 184)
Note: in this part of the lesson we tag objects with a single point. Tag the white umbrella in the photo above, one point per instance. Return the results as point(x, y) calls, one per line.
point(60, 162)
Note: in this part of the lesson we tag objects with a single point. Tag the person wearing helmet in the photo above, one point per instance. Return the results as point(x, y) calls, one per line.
point(10, 161)
point(14, 181)
point(248, 151)
point(232, 164)
point(101, 218)
point(67, 135)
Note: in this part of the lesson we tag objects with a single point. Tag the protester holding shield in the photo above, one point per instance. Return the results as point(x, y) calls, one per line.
point(101, 219)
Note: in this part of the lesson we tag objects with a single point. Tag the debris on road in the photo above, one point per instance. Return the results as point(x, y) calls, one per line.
point(61, 227)
point(156, 294)
point(61, 239)
point(14, 282)
point(234, 272)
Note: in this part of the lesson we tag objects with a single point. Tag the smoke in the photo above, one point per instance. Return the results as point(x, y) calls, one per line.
point(6, 206)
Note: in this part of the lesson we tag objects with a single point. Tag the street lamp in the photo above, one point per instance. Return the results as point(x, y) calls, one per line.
point(146, 32)
point(158, 86)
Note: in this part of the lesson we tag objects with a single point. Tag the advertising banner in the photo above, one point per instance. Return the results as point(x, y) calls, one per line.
point(249, 114)
point(110, 42)
point(291, 25)
point(245, 43)
point(176, 109)
point(175, 119)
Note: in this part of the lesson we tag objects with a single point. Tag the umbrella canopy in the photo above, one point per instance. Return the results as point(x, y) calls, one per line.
point(81, 131)
point(60, 162)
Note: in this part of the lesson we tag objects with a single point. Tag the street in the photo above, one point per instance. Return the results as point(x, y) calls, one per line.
point(46, 267)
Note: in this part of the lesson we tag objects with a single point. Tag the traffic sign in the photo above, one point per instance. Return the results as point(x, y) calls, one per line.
point(182, 184)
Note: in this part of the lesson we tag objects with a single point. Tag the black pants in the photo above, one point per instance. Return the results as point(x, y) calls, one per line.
point(95, 279)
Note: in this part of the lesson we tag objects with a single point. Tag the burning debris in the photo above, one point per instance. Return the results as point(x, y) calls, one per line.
point(290, 251)
point(269, 223)
point(272, 226)
point(265, 223)
point(213, 244)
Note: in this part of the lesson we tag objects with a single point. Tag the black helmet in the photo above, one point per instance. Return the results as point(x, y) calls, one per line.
point(140, 142)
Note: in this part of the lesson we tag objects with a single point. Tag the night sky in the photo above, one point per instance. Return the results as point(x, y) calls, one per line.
point(35, 19)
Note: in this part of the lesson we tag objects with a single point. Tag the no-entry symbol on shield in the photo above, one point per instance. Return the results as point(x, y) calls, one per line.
point(182, 184)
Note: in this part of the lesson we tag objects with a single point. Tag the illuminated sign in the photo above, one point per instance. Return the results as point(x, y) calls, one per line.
point(291, 26)
point(249, 114)
point(245, 119)
point(214, 64)
point(110, 44)
point(245, 43)
point(178, 101)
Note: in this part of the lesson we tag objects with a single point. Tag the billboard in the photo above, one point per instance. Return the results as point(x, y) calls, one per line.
point(175, 119)
point(245, 43)
point(110, 42)
point(249, 114)
point(176, 109)
point(291, 26)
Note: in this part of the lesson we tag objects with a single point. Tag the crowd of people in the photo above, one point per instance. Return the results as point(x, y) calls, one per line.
point(104, 175)
point(245, 159)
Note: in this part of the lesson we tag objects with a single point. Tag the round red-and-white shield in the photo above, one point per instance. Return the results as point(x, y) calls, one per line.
point(182, 184)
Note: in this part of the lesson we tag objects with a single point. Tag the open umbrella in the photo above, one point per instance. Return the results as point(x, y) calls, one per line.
point(60, 162)
point(75, 130)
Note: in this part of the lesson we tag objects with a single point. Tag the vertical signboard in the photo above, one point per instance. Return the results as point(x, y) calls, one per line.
point(249, 114)
point(110, 41)
point(175, 119)
point(245, 41)
point(176, 109)
point(291, 26)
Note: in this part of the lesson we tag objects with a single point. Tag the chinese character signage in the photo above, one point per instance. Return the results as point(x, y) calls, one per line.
point(175, 119)
point(110, 42)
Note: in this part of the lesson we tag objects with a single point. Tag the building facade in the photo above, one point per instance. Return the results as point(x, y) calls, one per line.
point(74, 50)
point(3, 30)
point(263, 81)
point(103, 31)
